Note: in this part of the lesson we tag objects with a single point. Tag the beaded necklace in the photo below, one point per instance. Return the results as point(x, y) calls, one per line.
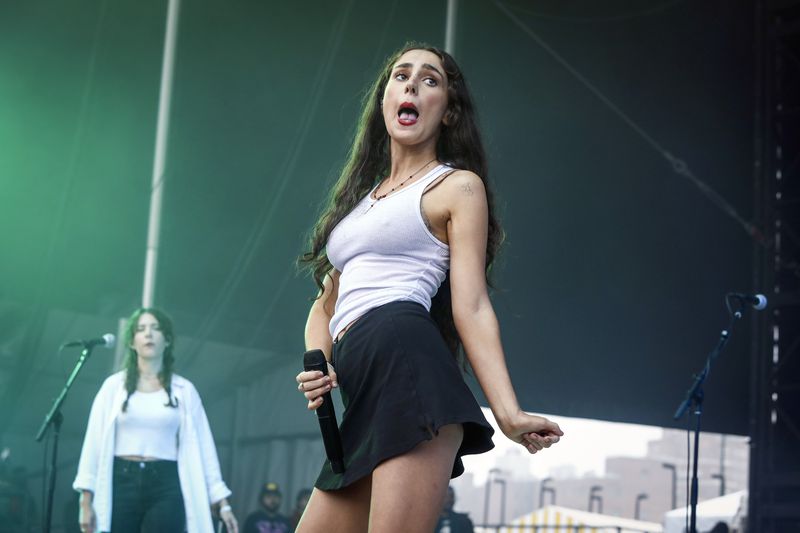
point(384, 195)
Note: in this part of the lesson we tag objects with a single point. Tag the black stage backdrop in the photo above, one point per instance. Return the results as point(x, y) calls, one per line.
point(609, 288)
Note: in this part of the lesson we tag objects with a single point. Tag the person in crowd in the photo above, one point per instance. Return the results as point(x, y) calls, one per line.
point(401, 255)
point(268, 519)
point(299, 506)
point(451, 521)
point(148, 462)
point(17, 506)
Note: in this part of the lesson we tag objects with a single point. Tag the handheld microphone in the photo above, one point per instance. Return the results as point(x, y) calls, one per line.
point(107, 341)
point(756, 301)
point(315, 360)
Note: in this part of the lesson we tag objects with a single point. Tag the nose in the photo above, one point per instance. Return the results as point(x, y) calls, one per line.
point(411, 87)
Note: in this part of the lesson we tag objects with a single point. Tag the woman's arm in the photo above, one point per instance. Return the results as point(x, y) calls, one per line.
point(218, 491)
point(86, 478)
point(87, 520)
point(313, 384)
point(216, 487)
point(226, 515)
point(474, 316)
point(317, 332)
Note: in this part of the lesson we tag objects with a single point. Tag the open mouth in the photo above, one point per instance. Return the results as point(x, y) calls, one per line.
point(407, 115)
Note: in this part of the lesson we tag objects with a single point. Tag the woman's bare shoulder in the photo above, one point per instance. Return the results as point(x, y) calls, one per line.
point(465, 182)
point(462, 188)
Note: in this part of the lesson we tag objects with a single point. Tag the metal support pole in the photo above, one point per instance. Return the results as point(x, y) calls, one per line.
point(723, 442)
point(674, 469)
point(159, 161)
point(637, 511)
point(542, 490)
point(488, 490)
point(595, 497)
point(721, 478)
point(502, 483)
point(450, 27)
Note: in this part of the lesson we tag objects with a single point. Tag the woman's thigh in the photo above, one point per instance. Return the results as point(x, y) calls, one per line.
point(338, 511)
point(166, 513)
point(126, 506)
point(408, 491)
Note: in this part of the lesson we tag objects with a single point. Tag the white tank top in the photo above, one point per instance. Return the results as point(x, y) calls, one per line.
point(385, 253)
point(148, 428)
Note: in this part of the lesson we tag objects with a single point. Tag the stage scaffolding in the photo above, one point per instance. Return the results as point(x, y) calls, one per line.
point(775, 385)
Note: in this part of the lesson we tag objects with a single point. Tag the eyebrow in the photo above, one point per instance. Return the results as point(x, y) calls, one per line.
point(424, 65)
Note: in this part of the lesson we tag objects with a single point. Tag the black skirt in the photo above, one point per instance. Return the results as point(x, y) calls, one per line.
point(399, 384)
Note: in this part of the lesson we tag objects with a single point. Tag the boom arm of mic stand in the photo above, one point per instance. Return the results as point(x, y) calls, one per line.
point(48, 419)
point(695, 391)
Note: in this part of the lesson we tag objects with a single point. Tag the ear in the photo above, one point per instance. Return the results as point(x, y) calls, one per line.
point(448, 118)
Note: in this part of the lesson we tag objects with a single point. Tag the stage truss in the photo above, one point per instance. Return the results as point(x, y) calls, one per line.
point(775, 385)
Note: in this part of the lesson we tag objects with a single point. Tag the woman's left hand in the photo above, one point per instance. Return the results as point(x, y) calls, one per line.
point(226, 515)
point(531, 431)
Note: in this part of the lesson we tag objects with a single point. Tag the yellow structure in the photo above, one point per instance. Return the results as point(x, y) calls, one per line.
point(555, 519)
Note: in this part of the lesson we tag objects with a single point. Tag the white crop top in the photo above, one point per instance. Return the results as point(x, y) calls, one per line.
point(385, 253)
point(148, 428)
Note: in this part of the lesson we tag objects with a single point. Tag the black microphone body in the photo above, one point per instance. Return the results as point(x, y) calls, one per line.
point(106, 340)
point(756, 301)
point(326, 415)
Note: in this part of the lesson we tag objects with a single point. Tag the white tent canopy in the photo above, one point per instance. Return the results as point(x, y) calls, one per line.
point(729, 509)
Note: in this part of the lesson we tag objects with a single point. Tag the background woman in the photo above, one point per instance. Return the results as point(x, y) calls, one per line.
point(148, 462)
point(401, 255)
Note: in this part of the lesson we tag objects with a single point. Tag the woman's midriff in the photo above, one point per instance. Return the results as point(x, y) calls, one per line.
point(347, 327)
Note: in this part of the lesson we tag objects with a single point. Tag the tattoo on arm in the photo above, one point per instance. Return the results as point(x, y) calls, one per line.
point(467, 189)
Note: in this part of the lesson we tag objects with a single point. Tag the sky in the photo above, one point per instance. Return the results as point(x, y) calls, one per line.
point(584, 448)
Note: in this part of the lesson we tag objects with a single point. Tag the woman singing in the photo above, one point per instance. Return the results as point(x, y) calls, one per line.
point(401, 255)
point(148, 462)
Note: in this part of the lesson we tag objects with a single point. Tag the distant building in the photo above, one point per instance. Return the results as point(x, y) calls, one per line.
point(722, 458)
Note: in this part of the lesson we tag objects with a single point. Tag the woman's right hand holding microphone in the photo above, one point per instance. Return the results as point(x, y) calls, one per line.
point(313, 384)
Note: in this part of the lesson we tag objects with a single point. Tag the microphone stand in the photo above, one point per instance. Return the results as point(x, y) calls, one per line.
point(55, 418)
point(694, 397)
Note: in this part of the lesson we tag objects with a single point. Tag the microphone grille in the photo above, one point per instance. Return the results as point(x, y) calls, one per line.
point(110, 339)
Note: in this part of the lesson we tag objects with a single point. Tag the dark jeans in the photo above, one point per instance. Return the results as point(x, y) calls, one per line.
point(147, 497)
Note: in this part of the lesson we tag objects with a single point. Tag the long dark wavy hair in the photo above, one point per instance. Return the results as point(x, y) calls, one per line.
point(130, 363)
point(459, 145)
